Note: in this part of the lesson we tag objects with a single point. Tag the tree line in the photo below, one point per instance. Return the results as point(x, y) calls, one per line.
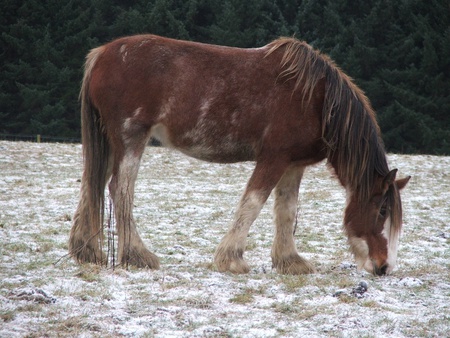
point(398, 52)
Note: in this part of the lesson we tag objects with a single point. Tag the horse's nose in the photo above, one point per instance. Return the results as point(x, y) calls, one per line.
point(380, 270)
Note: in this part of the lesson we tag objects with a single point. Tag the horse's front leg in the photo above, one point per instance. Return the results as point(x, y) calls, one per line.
point(229, 253)
point(131, 249)
point(284, 252)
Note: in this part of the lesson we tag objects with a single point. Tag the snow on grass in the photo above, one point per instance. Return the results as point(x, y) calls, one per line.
point(182, 209)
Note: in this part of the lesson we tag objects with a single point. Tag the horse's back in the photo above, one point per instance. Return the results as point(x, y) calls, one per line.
point(215, 103)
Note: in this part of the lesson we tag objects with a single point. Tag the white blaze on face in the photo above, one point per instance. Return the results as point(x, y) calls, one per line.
point(359, 247)
point(392, 240)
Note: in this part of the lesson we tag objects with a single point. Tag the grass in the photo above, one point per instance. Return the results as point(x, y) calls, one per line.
point(7, 315)
point(89, 274)
point(244, 297)
point(200, 302)
point(183, 208)
point(293, 283)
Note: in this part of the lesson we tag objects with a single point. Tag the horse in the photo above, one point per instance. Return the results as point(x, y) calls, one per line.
point(284, 106)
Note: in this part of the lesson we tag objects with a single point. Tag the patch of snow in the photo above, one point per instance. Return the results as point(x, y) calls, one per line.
point(183, 208)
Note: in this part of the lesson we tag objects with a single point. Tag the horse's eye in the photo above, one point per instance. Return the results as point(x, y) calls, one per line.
point(383, 211)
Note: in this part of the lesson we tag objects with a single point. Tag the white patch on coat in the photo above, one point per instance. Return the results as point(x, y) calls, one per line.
point(124, 52)
point(143, 42)
point(127, 124)
point(201, 136)
point(166, 108)
point(204, 108)
point(159, 132)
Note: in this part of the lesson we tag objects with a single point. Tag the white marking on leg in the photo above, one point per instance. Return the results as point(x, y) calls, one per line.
point(123, 195)
point(248, 210)
point(229, 253)
point(128, 171)
point(360, 250)
point(285, 210)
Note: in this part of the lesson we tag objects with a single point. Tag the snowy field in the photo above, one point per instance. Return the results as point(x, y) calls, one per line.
point(182, 209)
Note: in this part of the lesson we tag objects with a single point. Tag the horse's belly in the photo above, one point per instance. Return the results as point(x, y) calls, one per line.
point(211, 147)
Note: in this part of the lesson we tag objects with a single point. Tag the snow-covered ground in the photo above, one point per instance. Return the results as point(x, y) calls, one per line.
point(182, 208)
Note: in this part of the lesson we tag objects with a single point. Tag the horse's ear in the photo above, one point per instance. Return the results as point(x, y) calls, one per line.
point(402, 182)
point(389, 179)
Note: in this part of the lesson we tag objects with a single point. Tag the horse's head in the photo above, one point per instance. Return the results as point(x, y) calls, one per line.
point(373, 225)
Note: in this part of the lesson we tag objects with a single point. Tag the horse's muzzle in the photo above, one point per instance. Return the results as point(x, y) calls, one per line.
point(380, 271)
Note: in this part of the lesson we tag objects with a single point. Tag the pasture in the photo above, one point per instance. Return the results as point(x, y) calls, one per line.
point(183, 208)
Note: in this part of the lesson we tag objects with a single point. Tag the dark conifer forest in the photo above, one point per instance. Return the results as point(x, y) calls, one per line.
point(398, 52)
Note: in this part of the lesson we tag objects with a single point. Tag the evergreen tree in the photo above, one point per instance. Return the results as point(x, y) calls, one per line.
point(247, 23)
point(398, 52)
point(41, 65)
point(164, 19)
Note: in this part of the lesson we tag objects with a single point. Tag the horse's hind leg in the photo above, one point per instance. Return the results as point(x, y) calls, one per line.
point(284, 253)
point(131, 249)
point(229, 253)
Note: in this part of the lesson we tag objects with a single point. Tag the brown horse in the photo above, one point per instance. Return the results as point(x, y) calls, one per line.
point(284, 106)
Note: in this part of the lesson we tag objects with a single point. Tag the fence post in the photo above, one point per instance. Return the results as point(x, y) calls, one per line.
point(38, 138)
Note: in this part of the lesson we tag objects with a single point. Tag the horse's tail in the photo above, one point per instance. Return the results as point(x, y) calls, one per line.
point(86, 238)
point(96, 151)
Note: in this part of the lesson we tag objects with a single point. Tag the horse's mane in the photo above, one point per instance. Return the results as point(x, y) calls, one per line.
point(349, 127)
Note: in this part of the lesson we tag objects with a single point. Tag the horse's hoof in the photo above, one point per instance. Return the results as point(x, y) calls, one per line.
point(236, 267)
point(293, 265)
point(86, 252)
point(140, 258)
point(231, 263)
